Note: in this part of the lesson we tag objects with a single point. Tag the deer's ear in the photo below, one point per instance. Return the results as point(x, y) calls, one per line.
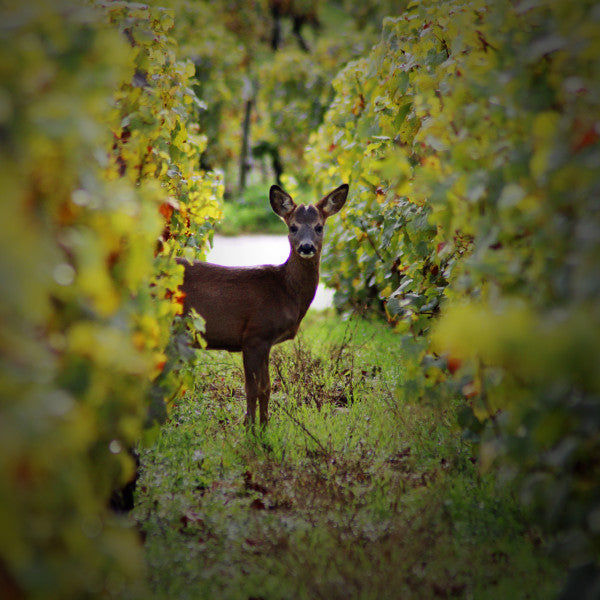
point(333, 202)
point(281, 202)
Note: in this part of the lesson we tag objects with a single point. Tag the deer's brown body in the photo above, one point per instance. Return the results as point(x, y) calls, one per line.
point(249, 309)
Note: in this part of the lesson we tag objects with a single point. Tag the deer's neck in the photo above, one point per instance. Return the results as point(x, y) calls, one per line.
point(302, 278)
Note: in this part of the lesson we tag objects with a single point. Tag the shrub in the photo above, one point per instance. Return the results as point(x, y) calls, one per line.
point(96, 164)
point(469, 136)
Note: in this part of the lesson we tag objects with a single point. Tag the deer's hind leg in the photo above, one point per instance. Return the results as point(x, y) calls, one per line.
point(258, 383)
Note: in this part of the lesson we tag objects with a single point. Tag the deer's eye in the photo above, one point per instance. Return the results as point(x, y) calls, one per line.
point(319, 228)
point(293, 229)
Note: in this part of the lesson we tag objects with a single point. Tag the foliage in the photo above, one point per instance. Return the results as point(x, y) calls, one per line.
point(294, 91)
point(158, 140)
point(96, 160)
point(333, 500)
point(370, 13)
point(222, 54)
point(290, 89)
point(470, 138)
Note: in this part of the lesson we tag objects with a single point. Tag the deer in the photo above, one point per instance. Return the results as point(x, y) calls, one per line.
point(250, 309)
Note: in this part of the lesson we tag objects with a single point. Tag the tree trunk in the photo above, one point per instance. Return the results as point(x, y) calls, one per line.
point(245, 149)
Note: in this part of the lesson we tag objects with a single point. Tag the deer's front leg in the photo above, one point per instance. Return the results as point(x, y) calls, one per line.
point(258, 383)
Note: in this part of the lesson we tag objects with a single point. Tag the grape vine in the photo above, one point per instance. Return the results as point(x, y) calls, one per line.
point(470, 139)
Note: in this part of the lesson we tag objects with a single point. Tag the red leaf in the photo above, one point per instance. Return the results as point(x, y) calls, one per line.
point(454, 364)
point(166, 210)
point(586, 139)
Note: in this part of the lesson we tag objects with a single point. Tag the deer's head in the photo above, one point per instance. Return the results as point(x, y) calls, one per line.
point(305, 222)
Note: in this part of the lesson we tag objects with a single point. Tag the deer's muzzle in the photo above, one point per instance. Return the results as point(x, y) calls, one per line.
point(307, 250)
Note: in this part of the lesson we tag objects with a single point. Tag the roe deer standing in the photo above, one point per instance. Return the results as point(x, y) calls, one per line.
point(249, 309)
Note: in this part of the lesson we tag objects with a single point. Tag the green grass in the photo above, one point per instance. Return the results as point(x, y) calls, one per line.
point(349, 492)
point(250, 214)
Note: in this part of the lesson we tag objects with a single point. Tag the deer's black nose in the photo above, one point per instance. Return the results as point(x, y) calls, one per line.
point(306, 250)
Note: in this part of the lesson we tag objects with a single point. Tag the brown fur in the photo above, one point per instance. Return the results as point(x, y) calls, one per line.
point(249, 309)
